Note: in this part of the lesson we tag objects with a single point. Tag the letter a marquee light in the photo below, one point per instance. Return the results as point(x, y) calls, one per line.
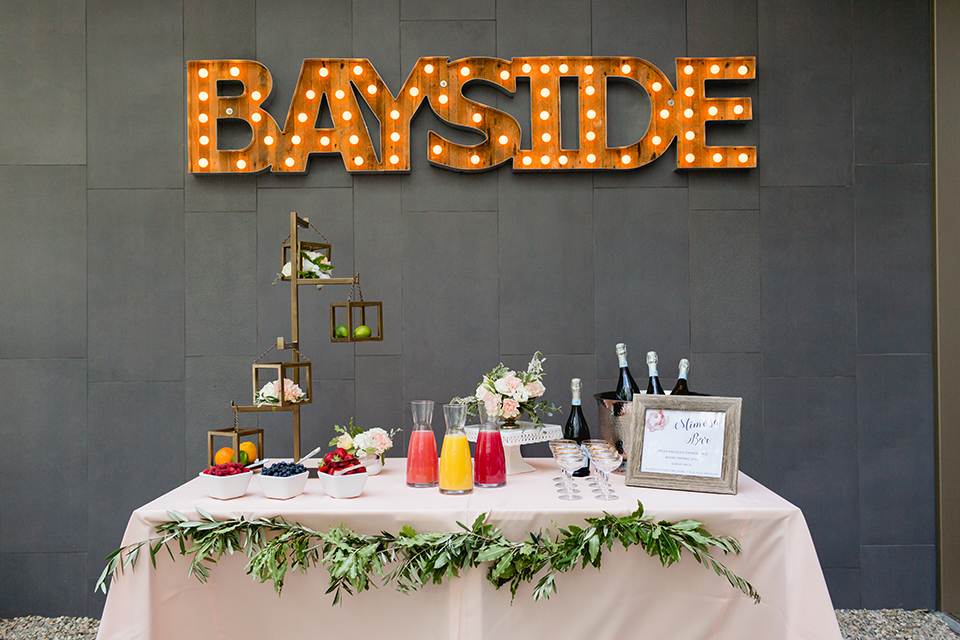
point(680, 112)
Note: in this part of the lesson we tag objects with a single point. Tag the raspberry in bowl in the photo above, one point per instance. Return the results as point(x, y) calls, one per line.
point(226, 481)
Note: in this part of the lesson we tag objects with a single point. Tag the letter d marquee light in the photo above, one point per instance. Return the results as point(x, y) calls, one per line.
point(337, 85)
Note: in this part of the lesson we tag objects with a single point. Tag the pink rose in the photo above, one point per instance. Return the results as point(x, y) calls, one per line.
point(508, 385)
point(491, 403)
point(656, 421)
point(381, 442)
point(291, 392)
point(511, 408)
point(535, 389)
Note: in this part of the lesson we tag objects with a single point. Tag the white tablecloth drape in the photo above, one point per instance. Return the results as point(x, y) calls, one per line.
point(632, 596)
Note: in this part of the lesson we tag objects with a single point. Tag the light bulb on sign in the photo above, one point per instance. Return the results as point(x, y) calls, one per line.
point(203, 162)
point(289, 162)
point(395, 136)
point(394, 114)
point(477, 117)
point(688, 92)
point(689, 135)
point(241, 164)
point(743, 157)
point(545, 92)
point(443, 98)
point(742, 70)
point(545, 160)
point(204, 140)
point(544, 115)
point(504, 75)
point(475, 159)
point(591, 114)
point(323, 72)
point(339, 94)
point(591, 158)
point(545, 137)
point(591, 135)
point(414, 92)
point(437, 149)
point(464, 71)
point(690, 157)
point(358, 161)
point(234, 71)
point(203, 73)
point(563, 69)
point(256, 117)
point(357, 70)
point(738, 109)
point(688, 69)
point(588, 69)
point(303, 117)
point(354, 139)
point(715, 69)
point(268, 140)
point(203, 96)
point(202, 117)
point(688, 113)
point(625, 68)
point(372, 89)
point(712, 111)
point(656, 141)
point(656, 86)
point(545, 68)
point(347, 115)
point(311, 94)
point(526, 68)
point(527, 160)
point(324, 140)
point(295, 139)
point(428, 68)
point(562, 160)
point(503, 140)
point(625, 159)
point(665, 113)
point(590, 91)
point(255, 95)
point(717, 157)
point(394, 159)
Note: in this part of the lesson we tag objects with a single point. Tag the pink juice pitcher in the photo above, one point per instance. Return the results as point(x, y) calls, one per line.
point(490, 467)
point(423, 469)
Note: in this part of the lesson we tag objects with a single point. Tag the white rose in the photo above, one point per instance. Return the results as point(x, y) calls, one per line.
point(363, 443)
point(501, 386)
point(521, 395)
point(286, 270)
point(481, 392)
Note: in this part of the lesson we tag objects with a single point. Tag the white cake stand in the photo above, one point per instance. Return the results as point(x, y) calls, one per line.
point(528, 433)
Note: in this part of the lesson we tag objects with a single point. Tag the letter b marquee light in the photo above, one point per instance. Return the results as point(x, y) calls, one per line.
point(332, 89)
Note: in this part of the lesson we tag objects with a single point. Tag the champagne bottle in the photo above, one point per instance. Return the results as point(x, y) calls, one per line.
point(653, 385)
point(576, 427)
point(681, 389)
point(626, 385)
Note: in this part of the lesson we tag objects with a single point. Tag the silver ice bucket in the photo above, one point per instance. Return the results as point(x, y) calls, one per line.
point(615, 418)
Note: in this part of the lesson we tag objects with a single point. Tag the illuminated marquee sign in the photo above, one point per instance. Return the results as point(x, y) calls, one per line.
point(680, 112)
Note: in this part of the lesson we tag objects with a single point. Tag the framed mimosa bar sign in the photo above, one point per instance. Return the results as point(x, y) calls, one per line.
point(690, 443)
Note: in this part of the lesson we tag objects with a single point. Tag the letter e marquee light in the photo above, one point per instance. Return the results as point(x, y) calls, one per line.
point(334, 87)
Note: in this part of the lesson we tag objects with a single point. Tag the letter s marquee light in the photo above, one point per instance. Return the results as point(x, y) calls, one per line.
point(680, 113)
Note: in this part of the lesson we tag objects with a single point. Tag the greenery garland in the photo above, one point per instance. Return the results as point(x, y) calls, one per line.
point(411, 560)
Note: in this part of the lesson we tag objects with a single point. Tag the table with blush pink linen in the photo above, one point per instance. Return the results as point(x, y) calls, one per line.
point(632, 596)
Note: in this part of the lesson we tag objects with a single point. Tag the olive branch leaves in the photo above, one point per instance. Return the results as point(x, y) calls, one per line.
point(410, 560)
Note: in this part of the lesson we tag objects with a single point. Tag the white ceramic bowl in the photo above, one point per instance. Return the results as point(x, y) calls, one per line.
point(225, 487)
point(283, 488)
point(343, 486)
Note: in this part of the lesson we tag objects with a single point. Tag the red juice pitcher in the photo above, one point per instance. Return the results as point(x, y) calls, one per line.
point(490, 466)
point(423, 469)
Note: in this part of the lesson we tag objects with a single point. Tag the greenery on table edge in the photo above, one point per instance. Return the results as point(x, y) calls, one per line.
point(411, 560)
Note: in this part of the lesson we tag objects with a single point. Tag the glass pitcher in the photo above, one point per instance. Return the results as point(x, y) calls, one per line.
point(456, 468)
point(490, 469)
point(422, 466)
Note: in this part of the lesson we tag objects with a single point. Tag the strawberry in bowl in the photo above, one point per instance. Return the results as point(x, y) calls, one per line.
point(342, 474)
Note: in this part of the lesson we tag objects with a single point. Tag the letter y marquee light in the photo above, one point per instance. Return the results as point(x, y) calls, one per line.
point(333, 88)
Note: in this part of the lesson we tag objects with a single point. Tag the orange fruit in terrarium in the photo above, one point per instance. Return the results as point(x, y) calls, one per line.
point(223, 456)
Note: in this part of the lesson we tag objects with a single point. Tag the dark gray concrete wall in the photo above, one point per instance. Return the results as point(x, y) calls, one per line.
point(135, 296)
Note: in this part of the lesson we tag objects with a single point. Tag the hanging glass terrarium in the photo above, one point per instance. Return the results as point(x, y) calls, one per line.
point(282, 384)
point(359, 321)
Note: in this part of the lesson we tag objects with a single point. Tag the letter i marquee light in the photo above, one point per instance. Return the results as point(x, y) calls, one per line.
point(332, 88)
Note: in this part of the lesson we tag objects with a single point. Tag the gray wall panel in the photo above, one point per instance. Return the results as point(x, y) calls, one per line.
point(43, 46)
point(214, 30)
point(43, 252)
point(135, 94)
point(44, 584)
point(135, 285)
point(899, 577)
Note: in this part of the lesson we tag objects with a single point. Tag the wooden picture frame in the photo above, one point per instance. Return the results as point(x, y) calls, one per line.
point(674, 443)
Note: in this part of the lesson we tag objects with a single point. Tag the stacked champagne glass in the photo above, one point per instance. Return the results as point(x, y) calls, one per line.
point(604, 458)
point(569, 456)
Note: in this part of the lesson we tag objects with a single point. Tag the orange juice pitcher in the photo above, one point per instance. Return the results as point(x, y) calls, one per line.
point(456, 468)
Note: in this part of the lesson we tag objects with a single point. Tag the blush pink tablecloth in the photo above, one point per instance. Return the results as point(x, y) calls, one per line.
point(631, 597)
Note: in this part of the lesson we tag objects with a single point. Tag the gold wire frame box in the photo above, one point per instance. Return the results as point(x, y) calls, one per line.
point(375, 336)
point(281, 369)
point(295, 265)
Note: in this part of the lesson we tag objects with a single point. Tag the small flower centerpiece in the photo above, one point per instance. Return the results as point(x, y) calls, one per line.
point(269, 394)
point(313, 264)
point(369, 445)
point(508, 394)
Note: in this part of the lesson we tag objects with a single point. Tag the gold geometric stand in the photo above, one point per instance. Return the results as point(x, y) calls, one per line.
point(234, 434)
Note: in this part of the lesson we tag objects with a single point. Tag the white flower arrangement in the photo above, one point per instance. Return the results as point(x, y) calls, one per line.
point(269, 394)
point(508, 394)
point(372, 442)
point(313, 264)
